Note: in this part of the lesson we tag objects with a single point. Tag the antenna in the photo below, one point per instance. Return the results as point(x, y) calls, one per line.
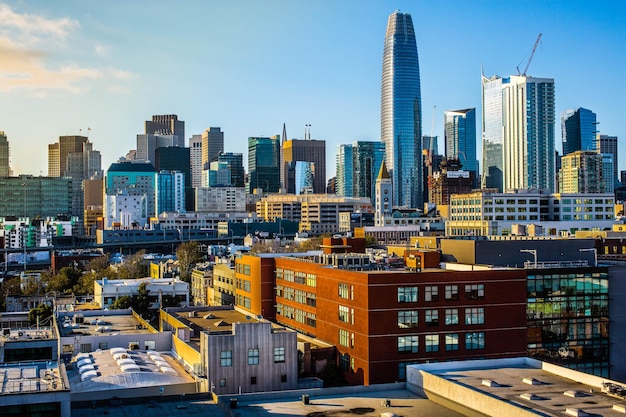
point(530, 58)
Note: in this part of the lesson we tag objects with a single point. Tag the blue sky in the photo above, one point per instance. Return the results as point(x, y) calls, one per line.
point(249, 66)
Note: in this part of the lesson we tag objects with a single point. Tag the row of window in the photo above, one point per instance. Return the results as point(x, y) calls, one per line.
point(410, 344)
point(431, 293)
point(410, 318)
point(226, 356)
point(242, 269)
point(289, 312)
point(298, 277)
point(253, 380)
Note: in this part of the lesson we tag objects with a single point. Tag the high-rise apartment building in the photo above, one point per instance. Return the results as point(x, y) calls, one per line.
point(518, 133)
point(5, 170)
point(401, 111)
point(578, 130)
point(460, 137)
point(166, 125)
point(212, 145)
point(608, 145)
point(297, 150)
point(195, 160)
point(264, 164)
point(581, 172)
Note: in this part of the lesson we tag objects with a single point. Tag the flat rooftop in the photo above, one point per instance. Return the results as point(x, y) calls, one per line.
point(26, 334)
point(119, 368)
point(100, 325)
point(358, 403)
point(31, 378)
point(528, 384)
point(217, 319)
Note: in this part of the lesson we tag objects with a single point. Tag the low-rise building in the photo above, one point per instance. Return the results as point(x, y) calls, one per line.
point(107, 291)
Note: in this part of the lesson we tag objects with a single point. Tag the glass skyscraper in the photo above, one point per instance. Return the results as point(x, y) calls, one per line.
point(357, 168)
point(345, 171)
point(518, 133)
point(460, 133)
point(264, 164)
point(578, 130)
point(401, 111)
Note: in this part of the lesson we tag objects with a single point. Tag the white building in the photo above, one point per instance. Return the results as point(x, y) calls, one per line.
point(123, 210)
point(107, 291)
point(221, 199)
point(489, 213)
point(195, 160)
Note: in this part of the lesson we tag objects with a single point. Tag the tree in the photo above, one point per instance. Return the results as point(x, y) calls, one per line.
point(331, 375)
point(42, 312)
point(370, 241)
point(65, 280)
point(122, 303)
point(188, 254)
point(10, 286)
point(134, 267)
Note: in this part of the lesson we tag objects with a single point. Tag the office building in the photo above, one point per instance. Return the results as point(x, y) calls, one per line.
point(170, 191)
point(132, 179)
point(32, 197)
point(401, 111)
point(297, 150)
point(367, 158)
point(166, 124)
point(518, 133)
point(195, 160)
point(460, 138)
point(174, 159)
point(234, 165)
point(263, 164)
point(581, 172)
point(147, 144)
point(448, 180)
point(606, 144)
point(578, 130)
point(5, 169)
point(225, 199)
point(212, 145)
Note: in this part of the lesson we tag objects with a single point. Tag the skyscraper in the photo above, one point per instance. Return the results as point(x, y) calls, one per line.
point(234, 162)
point(606, 144)
point(460, 136)
point(344, 171)
point(581, 172)
point(518, 133)
point(212, 145)
point(264, 164)
point(165, 125)
point(578, 130)
point(195, 160)
point(401, 111)
point(5, 170)
point(297, 150)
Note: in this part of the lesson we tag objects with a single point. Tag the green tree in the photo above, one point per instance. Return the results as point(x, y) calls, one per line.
point(65, 280)
point(43, 311)
point(331, 375)
point(122, 303)
point(370, 241)
point(188, 254)
point(134, 267)
point(10, 286)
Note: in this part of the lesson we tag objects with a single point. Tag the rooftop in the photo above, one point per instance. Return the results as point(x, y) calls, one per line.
point(215, 319)
point(100, 324)
point(30, 378)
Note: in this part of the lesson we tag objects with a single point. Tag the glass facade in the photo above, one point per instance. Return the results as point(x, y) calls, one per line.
point(578, 130)
point(264, 164)
point(344, 171)
point(460, 132)
point(568, 318)
point(33, 197)
point(401, 111)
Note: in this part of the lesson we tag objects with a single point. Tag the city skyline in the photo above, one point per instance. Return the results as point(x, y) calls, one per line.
point(106, 70)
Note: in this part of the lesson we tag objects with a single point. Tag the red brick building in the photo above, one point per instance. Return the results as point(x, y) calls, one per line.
point(380, 321)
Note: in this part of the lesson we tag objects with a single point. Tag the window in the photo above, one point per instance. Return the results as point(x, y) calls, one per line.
point(103, 345)
point(407, 318)
point(283, 378)
point(407, 294)
point(85, 347)
point(432, 343)
point(253, 356)
point(474, 292)
point(253, 380)
point(431, 293)
point(408, 344)
point(344, 362)
point(344, 338)
point(452, 316)
point(344, 314)
point(452, 342)
point(344, 290)
point(475, 341)
point(432, 318)
point(222, 382)
point(279, 354)
point(475, 315)
point(226, 358)
point(452, 292)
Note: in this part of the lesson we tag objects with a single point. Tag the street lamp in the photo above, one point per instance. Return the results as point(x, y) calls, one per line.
point(533, 252)
point(595, 254)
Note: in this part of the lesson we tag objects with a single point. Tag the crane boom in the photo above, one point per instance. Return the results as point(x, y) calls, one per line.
point(532, 54)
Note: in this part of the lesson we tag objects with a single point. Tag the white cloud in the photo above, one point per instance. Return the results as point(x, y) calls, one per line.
point(29, 47)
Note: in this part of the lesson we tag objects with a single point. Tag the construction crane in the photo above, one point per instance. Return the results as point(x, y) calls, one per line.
point(523, 74)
